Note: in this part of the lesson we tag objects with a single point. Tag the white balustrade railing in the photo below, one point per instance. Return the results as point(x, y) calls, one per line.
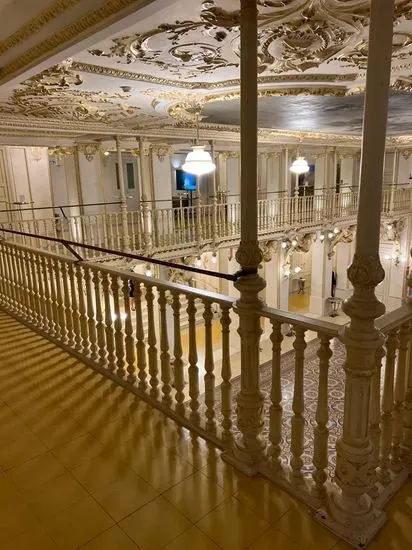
point(191, 369)
point(153, 230)
point(305, 406)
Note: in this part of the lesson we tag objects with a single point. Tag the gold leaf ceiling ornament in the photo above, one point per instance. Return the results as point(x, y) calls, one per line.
point(358, 56)
point(294, 35)
point(185, 51)
point(50, 95)
point(229, 83)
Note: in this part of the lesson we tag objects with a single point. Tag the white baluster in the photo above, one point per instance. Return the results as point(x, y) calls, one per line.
point(62, 335)
point(47, 294)
point(374, 416)
point(226, 386)
point(82, 312)
point(179, 382)
point(140, 344)
point(128, 330)
point(36, 297)
point(209, 368)
point(75, 308)
point(387, 407)
point(67, 306)
point(91, 322)
point(151, 341)
point(118, 329)
point(193, 368)
point(100, 328)
point(298, 406)
point(276, 409)
point(164, 348)
point(108, 316)
point(321, 432)
point(400, 390)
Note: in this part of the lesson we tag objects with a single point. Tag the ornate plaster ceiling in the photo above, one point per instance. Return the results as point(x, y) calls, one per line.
point(186, 57)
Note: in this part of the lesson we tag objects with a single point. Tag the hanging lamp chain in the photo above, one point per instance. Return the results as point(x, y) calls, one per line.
point(197, 128)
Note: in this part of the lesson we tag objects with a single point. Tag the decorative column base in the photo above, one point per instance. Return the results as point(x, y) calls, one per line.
point(249, 448)
point(340, 519)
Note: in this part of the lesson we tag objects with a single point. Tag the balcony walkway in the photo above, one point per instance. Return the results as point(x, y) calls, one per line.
point(86, 464)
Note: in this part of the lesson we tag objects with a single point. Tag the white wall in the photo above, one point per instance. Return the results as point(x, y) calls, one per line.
point(91, 184)
point(63, 183)
point(233, 179)
point(346, 173)
point(107, 191)
point(29, 180)
point(405, 169)
point(162, 181)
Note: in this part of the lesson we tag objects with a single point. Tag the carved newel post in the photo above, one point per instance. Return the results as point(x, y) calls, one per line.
point(249, 447)
point(351, 508)
point(123, 204)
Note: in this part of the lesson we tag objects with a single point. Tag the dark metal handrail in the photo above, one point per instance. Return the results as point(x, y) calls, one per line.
point(57, 206)
point(70, 244)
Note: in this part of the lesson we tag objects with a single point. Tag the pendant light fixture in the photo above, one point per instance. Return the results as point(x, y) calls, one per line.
point(299, 165)
point(198, 161)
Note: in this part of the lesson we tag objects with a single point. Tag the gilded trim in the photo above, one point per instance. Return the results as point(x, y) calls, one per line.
point(91, 19)
point(36, 24)
point(141, 77)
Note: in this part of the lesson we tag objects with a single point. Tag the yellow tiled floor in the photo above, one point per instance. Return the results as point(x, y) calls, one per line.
point(85, 464)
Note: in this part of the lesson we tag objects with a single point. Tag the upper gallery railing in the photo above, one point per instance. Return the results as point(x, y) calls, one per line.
point(161, 230)
point(191, 370)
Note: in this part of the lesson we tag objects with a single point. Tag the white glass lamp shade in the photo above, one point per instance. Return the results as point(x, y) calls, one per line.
point(300, 166)
point(199, 162)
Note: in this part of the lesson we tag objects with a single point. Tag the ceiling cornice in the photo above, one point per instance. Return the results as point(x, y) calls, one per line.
point(34, 25)
point(184, 84)
point(65, 35)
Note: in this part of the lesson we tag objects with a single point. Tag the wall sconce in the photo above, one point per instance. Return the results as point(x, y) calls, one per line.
point(198, 262)
point(396, 258)
point(288, 272)
point(149, 270)
point(214, 258)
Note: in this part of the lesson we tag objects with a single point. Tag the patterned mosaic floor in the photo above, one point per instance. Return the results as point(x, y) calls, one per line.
point(336, 398)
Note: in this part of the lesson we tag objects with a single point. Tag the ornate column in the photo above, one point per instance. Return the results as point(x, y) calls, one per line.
point(146, 209)
point(123, 203)
point(214, 199)
point(395, 171)
point(78, 181)
point(351, 507)
point(249, 447)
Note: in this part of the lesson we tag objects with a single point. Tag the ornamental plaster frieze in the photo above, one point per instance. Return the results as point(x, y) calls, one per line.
point(25, 127)
point(197, 85)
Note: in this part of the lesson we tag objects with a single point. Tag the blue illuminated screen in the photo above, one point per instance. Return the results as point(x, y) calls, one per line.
point(185, 181)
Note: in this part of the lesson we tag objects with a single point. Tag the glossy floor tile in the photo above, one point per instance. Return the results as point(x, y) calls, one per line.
point(85, 464)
